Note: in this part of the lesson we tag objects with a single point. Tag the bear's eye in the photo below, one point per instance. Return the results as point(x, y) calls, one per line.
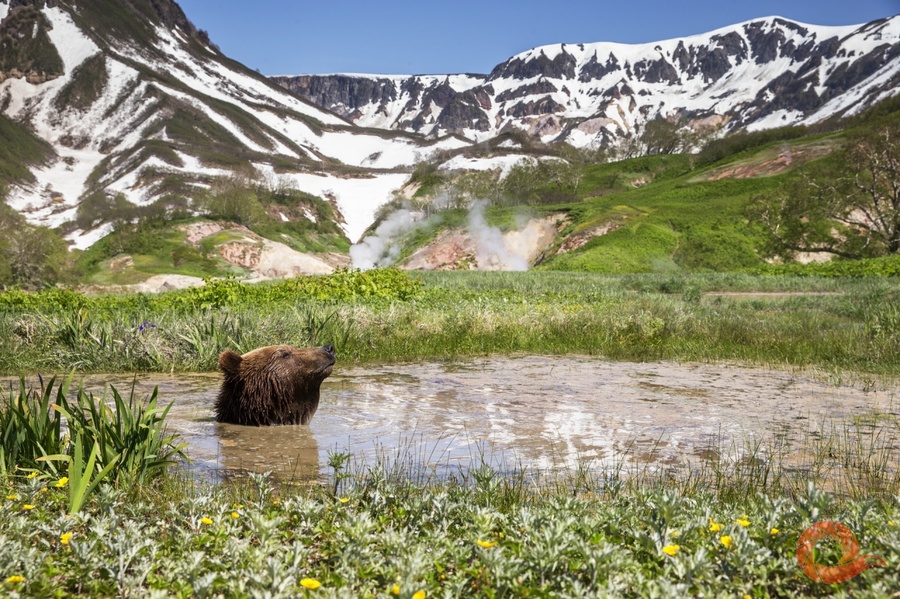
point(285, 354)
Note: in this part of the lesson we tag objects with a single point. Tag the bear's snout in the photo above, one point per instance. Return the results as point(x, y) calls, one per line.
point(329, 349)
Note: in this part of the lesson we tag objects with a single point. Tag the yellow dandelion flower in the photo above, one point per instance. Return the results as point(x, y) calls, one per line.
point(27, 506)
point(395, 590)
point(774, 531)
point(726, 540)
point(743, 522)
point(238, 506)
point(62, 482)
point(671, 549)
point(345, 499)
point(12, 497)
point(205, 520)
point(44, 489)
point(891, 523)
point(714, 526)
point(486, 544)
point(14, 579)
point(419, 595)
point(32, 475)
point(235, 515)
point(310, 583)
point(674, 533)
point(65, 538)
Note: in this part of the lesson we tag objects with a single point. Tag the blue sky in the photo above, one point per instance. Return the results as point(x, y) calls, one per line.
point(471, 36)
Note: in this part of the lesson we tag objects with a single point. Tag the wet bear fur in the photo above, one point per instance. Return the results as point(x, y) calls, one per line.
point(278, 384)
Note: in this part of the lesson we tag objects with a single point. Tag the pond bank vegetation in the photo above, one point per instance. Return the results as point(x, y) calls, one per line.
point(97, 506)
point(836, 324)
point(728, 529)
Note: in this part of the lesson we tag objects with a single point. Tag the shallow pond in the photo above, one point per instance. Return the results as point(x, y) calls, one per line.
point(534, 411)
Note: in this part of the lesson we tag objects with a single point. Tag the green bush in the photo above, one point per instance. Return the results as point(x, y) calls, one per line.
point(126, 442)
point(85, 86)
point(25, 44)
point(735, 143)
point(886, 266)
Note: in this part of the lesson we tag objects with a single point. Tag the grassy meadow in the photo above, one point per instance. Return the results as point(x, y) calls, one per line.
point(833, 324)
point(93, 508)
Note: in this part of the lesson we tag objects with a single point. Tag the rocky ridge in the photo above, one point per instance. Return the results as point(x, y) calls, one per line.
point(759, 74)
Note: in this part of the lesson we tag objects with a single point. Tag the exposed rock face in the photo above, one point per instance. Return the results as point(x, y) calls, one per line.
point(341, 93)
point(764, 73)
point(265, 259)
point(455, 249)
point(25, 46)
point(562, 66)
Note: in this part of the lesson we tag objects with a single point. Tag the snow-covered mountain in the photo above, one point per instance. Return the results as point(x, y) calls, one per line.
point(135, 101)
point(128, 99)
point(759, 74)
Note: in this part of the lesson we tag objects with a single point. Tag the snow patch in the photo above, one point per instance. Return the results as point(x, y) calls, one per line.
point(81, 240)
point(73, 46)
point(53, 198)
point(356, 199)
point(504, 163)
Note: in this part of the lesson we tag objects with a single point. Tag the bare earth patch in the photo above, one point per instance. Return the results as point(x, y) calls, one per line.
point(766, 164)
point(577, 240)
point(454, 249)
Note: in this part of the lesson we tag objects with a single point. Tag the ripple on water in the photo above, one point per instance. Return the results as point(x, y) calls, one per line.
point(533, 411)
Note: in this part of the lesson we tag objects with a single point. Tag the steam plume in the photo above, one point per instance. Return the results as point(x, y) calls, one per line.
point(491, 252)
point(380, 248)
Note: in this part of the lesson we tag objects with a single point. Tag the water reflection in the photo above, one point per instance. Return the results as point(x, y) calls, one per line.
point(541, 412)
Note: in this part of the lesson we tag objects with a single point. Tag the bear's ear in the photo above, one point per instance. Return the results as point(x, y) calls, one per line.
point(229, 362)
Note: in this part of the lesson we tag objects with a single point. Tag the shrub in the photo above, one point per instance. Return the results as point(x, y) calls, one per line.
point(125, 443)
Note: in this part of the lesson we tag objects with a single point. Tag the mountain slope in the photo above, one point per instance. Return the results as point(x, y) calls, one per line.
point(755, 75)
point(137, 102)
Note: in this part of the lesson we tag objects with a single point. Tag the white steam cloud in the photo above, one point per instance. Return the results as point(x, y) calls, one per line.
point(491, 251)
point(381, 249)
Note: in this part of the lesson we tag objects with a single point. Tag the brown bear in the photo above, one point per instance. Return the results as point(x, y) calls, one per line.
point(278, 384)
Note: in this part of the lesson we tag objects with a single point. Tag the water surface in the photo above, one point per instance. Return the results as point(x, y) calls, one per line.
point(534, 411)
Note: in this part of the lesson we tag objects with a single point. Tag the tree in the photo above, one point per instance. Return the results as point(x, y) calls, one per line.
point(234, 198)
point(30, 257)
point(848, 206)
point(662, 136)
point(521, 182)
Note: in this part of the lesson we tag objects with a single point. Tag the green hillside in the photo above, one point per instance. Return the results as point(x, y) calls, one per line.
point(19, 150)
point(667, 213)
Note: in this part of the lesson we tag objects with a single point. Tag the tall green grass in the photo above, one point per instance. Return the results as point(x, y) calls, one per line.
point(122, 441)
point(833, 324)
point(29, 428)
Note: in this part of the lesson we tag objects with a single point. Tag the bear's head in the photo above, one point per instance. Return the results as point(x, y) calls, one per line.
point(278, 384)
